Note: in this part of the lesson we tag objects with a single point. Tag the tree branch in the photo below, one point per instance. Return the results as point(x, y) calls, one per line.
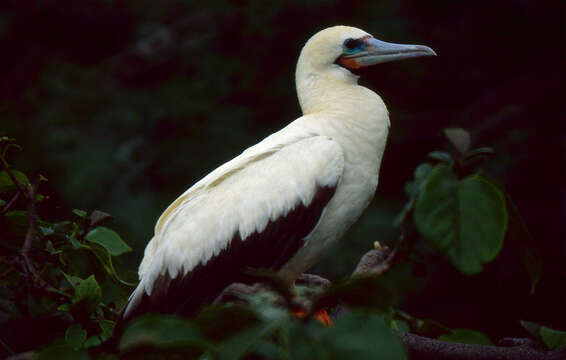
point(423, 348)
point(10, 203)
point(32, 223)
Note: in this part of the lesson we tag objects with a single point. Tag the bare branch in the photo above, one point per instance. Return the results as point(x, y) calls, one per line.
point(423, 348)
point(10, 203)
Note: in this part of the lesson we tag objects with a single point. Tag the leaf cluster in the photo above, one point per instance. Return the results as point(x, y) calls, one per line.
point(54, 270)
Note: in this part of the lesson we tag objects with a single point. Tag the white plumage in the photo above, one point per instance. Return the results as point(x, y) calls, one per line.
point(337, 144)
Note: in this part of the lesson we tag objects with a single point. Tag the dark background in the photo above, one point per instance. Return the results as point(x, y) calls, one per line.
point(124, 104)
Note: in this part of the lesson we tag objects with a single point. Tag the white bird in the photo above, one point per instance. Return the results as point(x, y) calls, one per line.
point(282, 202)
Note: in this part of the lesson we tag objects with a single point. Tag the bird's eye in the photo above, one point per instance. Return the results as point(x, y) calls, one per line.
point(351, 44)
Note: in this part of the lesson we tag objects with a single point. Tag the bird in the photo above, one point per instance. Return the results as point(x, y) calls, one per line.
point(282, 202)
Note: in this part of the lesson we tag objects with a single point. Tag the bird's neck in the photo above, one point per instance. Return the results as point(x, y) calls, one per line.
point(319, 88)
point(336, 106)
point(334, 90)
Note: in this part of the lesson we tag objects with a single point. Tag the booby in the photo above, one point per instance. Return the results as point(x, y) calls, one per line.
point(282, 202)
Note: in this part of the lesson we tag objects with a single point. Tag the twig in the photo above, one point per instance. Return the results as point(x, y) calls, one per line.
point(32, 223)
point(10, 203)
point(30, 236)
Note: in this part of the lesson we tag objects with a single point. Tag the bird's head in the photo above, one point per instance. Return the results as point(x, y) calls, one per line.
point(353, 48)
point(330, 57)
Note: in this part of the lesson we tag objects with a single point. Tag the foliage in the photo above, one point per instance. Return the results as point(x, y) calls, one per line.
point(551, 338)
point(55, 270)
point(63, 271)
point(464, 218)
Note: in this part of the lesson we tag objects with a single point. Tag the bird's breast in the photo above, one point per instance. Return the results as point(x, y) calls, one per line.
point(363, 149)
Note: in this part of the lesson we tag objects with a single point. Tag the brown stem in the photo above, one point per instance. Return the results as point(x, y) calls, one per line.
point(10, 203)
point(30, 235)
point(32, 223)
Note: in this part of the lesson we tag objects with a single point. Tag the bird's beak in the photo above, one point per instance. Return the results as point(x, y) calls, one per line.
point(378, 51)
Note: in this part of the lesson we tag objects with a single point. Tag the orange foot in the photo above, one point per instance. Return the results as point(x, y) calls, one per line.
point(321, 316)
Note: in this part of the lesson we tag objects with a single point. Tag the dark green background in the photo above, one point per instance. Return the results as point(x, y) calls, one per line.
point(124, 104)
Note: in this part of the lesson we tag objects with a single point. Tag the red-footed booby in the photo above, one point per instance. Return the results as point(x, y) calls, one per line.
point(282, 202)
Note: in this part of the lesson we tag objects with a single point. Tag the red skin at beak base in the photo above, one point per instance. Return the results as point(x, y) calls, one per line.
point(350, 63)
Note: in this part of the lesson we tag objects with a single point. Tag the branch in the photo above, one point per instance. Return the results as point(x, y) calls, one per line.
point(28, 191)
point(377, 261)
point(423, 348)
point(32, 222)
point(10, 203)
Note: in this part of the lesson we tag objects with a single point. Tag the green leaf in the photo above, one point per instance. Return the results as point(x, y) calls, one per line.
point(466, 336)
point(161, 331)
point(441, 156)
point(46, 230)
point(421, 173)
point(51, 249)
point(552, 338)
point(459, 138)
point(64, 307)
point(105, 259)
point(64, 227)
point(532, 328)
point(88, 291)
point(2, 203)
point(79, 213)
point(75, 243)
point(412, 189)
point(92, 341)
point(98, 217)
point(245, 341)
point(356, 335)
point(73, 280)
point(400, 325)
point(75, 336)
point(479, 152)
point(6, 183)
point(219, 322)
point(109, 239)
point(268, 350)
point(466, 219)
point(107, 327)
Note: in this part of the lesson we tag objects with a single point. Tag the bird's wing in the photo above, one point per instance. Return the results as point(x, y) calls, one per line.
point(254, 211)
